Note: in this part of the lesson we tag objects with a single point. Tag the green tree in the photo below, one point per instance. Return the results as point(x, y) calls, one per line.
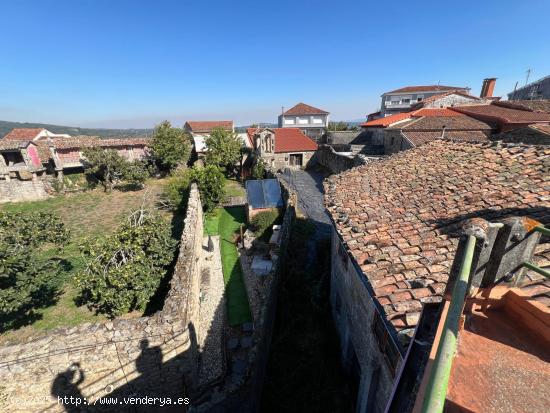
point(176, 190)
point(210, 181)
point(224, 149)
point(170, 147)
point(27, 280)
point(124, 270)
point(338, 126)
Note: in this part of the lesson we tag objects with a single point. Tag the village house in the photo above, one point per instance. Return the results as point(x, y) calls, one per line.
point(282, 147)
point(395, 240)
point(312, 121)
point(200, 130)
point(402, 99)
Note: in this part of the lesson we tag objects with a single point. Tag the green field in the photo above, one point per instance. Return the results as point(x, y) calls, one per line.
point(85, 214)
point(226, 222)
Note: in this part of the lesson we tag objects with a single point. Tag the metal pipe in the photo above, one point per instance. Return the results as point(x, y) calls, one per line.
point(536, 268)
point(436, 392)
point(542, 230)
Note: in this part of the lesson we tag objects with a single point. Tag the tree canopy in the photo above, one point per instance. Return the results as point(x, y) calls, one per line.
point(27, 280)
point(224, 149)
point(170, 147)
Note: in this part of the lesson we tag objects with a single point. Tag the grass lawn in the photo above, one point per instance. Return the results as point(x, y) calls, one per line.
point(226, 222)
point(232, 187)
point(85, 214)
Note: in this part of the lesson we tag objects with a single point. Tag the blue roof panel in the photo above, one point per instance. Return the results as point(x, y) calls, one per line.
point(264, 193)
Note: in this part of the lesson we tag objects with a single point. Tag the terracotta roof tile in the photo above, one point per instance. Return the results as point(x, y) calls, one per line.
point(422, 137)
point(303, 109)
point(494, 112)
point(208, 125)
point(398, 216)
point(386, 121)
point(287, 140)
point(25, 134)
point(12, 144)
point(530, 105)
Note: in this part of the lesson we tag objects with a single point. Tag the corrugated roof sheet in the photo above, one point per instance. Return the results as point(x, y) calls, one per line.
point(264, 193)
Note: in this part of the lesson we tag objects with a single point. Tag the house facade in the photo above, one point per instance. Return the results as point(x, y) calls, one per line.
point(401, 100)
point(282, 148)
point(201, 129)
point(312, 121)
point(539, 89)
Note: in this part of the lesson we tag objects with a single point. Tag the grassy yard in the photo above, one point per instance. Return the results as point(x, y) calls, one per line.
point(226, 222)
point(233, 187)
point(85, 214)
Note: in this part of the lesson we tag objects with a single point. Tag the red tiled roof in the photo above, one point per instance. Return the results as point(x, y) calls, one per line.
point(287, 140)
point(23, 134)
point(208, 125)
point(12, 144)
point(388, 120)
point(544, 128)
point(428, 123)
point(303, 109)
point(398, 217)
point(418, 138)
point(529, 105)
point(501, 114)
point(93, 141)
point(426, 88)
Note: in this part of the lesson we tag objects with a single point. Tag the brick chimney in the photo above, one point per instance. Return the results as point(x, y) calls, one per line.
point(488, 87)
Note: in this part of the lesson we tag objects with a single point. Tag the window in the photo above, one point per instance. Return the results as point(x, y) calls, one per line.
point(303, 121)
point(419, 98)
point(318, 120)
point(385, 343)
point(289, 121)
point(405, 101)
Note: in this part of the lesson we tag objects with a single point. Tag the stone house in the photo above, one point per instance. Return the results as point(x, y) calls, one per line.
point(282, 147)
point(395, 240)
point(312, 121)
point(200, 130)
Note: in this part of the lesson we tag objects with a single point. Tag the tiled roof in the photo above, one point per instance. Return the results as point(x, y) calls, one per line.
point(23, 134)
point(7, 145)
point(398, 217)
point(422, 137)
point(502, 114)
point(386, 121)
point(43, 149)
point(209, 125)
point(426, 88)
point(450, 92)
point(287, 140)
point(303, 109)
point(92, 141)
point(530, 105)
point(544, 128)
point(438, 122)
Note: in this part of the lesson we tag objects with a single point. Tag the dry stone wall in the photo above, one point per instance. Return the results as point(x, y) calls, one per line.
point(144, 357)
point(16, 190)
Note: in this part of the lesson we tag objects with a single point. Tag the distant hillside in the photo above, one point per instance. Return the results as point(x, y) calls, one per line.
point(6, 126)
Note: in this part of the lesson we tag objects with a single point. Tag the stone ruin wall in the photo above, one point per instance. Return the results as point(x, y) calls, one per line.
point(16, 190)
point(113, 358)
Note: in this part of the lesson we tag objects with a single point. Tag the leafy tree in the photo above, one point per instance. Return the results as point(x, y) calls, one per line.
point(338, 126)
point(110, 168)
point(210, 181)
point(224, 149)
point(124, 270)
point(176, 190)
point(258, 170)
point(170, 147)
point(27, 280)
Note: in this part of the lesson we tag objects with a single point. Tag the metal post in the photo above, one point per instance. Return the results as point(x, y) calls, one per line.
point(436, 392)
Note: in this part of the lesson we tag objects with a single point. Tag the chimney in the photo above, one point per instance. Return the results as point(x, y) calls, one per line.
point(488, 87)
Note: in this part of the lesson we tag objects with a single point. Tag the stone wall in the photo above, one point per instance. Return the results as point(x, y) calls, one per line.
point(148, 356)
point(17, 190)
point(394, 142)
point(280, 161)
point(354, 312)
point(334, 161)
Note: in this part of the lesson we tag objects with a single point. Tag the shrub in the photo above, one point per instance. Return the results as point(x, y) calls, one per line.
point(210, 181)
point(124, 270)
point(27, 280)
point(176, 190)
point(258, 170)
point(170, 147)
point(263, 222)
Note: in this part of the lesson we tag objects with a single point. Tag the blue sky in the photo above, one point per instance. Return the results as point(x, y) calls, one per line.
point(133, 63)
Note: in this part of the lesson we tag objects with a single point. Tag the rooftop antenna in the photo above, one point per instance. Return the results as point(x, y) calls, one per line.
point(527, 77)
point(514, 94)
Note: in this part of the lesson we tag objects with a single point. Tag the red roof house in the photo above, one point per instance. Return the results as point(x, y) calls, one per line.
point(207, 126)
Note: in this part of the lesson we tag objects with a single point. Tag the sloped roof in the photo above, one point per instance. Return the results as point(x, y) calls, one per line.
point(544, 128)
point(530, 105)
point(264, 193)
point(208, 125)
point(449, 122)
point(398, 216)
point(287, 140)
point(303, 109)
point(418, 138)
point(13, 144)
point(84, 141)
point(425, 88)
point(502, 114)
point(23, 134)
point(388, 120)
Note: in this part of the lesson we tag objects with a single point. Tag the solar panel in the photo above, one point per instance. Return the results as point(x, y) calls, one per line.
point(264, 193)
